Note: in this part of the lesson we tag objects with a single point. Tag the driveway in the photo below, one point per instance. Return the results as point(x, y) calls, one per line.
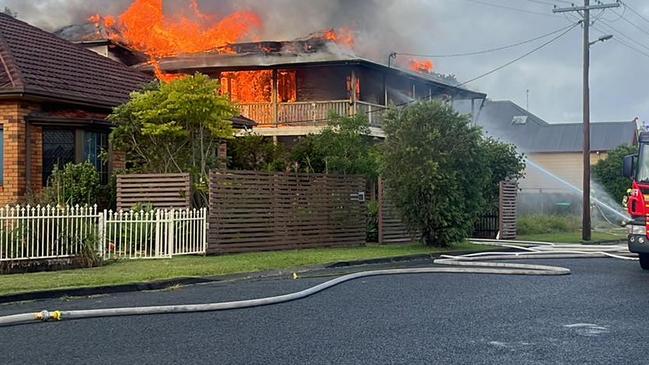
point(599, 314)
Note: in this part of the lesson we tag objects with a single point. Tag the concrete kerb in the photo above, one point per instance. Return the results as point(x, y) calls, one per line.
point(185, 281)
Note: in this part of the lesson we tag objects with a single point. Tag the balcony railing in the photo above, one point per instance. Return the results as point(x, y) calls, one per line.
point(308, 112)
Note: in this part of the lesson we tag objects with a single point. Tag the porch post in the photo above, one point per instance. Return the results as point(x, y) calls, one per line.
point(275, 96)
point(354, 98)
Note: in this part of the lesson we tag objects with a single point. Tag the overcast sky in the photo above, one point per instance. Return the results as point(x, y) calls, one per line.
point(619, 75)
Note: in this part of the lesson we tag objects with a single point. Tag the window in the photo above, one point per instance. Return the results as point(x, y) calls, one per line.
point(95, 146)
point(2, 156)
point(58, 150)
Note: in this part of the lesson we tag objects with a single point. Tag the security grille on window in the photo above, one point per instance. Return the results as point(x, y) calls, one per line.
point(58, 150)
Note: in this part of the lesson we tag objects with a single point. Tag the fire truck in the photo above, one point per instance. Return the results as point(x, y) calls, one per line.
point(636, 167)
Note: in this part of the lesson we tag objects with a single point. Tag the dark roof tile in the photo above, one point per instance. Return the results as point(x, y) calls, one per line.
point(42, 64)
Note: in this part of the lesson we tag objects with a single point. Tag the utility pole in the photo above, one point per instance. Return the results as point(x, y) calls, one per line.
point(585, 11)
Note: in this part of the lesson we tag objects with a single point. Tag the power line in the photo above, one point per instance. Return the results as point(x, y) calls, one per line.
point(486, 50)
point(620, 33)
point(633, 24)
point(624, 42)
point(523, 56)
point(509, 8)
point(626, 6)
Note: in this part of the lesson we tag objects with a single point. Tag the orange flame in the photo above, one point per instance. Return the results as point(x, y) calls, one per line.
point(145, 28)
point(343, 36)
point(423, 66)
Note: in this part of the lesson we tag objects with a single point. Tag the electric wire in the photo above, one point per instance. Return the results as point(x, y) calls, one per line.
point(522, 56)
point(626, 6)
point(510, 8)
point(490, 50)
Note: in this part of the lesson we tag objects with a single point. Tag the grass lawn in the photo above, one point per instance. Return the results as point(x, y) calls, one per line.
point(572, 237)
point(141, 271)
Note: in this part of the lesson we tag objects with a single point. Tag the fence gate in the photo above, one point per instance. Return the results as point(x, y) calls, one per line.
point(391, 226)
point(257, 211)
point(507, 210)
point(160, 191)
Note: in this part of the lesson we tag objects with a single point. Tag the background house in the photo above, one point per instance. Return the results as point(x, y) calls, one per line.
point(554, 151)
point(54, 98)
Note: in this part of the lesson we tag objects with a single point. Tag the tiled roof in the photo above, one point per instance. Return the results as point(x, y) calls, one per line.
point(37, 63)
point(502, 119)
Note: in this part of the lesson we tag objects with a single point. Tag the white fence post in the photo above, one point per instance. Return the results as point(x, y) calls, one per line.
point(205, 223)
point(170, 239)
point(101, 232)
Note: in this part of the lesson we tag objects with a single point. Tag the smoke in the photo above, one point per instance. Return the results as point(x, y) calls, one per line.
point(380, 26)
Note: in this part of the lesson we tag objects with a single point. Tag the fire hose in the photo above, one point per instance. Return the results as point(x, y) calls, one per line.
point(465, 264)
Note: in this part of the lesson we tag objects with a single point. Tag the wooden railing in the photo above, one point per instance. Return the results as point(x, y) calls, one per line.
point(374, 112)
point(308, 112)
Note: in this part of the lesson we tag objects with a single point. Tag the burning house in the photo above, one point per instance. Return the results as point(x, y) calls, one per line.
point(288, 88)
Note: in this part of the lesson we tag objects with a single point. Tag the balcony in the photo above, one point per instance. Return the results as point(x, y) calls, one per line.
point(310, 113)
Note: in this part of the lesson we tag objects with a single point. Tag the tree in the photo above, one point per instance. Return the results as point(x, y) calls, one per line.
point(174, 127)
point(435, 170)
point(608, 172)
point(344, 146)
point(504, 163)
point(257, 153)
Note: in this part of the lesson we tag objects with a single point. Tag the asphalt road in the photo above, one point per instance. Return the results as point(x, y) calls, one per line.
point(599, 314)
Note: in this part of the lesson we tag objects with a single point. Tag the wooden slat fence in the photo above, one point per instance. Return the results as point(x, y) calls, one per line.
point(507, 210)
point(391, 227)
point(159, 191)
point(257, 211)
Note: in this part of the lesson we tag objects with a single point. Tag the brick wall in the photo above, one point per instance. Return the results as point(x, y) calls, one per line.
point(12, 114)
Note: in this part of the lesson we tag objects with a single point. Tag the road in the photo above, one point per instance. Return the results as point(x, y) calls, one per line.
point(596, 315)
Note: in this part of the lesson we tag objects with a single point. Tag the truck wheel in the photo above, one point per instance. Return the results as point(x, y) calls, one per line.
point(644, 261)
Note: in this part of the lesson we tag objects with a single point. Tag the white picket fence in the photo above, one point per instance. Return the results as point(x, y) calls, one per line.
point(35, 233)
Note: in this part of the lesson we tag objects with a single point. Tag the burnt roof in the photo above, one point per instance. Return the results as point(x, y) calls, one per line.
point(511, 123)
point(35, 63)
point(301, 53)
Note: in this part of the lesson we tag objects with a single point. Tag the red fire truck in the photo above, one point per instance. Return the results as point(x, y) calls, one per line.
point(636, 167)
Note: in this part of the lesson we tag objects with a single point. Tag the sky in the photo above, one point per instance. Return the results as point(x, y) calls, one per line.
point(553, 75)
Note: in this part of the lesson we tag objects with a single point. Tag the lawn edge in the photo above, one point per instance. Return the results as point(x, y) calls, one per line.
point(182, 281)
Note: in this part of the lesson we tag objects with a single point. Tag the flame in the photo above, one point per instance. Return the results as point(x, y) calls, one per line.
point(146, 28)
point(257, 86)
point(343, 36)
point(423, 66)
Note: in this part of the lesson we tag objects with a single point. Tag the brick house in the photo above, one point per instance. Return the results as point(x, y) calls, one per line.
point(54, 99)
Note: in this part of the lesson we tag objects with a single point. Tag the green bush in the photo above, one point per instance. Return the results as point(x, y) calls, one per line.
point(372, 221)
point(539, 224)
point(608, 172)
point(75, 184)
point(436, 170)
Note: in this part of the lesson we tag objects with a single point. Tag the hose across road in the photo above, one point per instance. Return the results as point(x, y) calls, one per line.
point(478, 263)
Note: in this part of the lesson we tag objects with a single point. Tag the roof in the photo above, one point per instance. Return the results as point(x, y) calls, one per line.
point(216, 61)
point(35, 63)
point(511, 123)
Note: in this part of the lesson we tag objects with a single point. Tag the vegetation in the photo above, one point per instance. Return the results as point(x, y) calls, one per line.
point(504, 163)
point(438, 170)
point(573, 237)
point(257, 153)
point(343, 147)
point(541, 224)
point(75, 184)
point(608, 172)
point(129, 271)
point(174, 127)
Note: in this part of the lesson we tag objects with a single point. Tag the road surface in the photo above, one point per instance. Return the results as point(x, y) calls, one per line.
point(599, 314)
